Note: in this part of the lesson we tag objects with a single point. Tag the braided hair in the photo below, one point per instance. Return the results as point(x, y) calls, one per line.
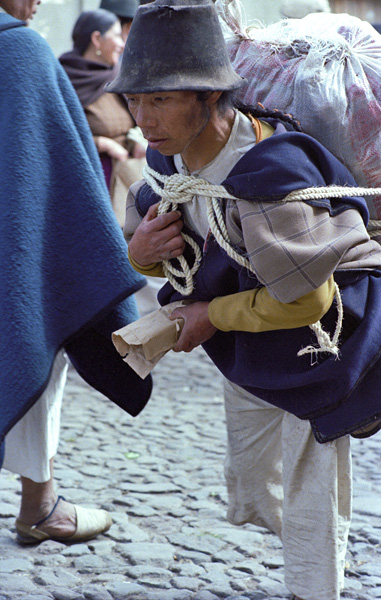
point(261, 112)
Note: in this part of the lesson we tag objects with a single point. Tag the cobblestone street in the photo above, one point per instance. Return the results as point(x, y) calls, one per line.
point(161, 477)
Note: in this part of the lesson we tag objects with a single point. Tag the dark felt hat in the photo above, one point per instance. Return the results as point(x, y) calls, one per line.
point(175, 45)
point(121, 8)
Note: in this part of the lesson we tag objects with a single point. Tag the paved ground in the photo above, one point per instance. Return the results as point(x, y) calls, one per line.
point(161, 477)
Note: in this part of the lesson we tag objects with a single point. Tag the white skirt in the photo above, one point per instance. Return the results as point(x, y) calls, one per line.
point(33, 441)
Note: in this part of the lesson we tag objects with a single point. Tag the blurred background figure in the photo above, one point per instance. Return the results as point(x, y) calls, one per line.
point(93, 62)
point(297, 9)
point(125, 11)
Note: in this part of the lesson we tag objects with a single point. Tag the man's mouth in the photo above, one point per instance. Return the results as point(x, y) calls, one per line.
point(155, 142)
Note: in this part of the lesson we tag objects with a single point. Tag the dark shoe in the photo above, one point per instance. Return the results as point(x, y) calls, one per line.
point(367, 431)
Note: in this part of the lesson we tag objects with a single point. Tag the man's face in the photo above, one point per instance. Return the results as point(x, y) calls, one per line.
point(171, 122)
point(20, 9)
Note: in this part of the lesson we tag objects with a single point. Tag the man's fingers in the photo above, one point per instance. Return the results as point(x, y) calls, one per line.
point(176, 314)
point(167, 242)
point(175, 247)
point(151, 212)
point(163, 221)
point(157, 238)
point(185, 347)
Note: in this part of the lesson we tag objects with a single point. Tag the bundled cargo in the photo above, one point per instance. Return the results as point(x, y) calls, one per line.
point(324, 69)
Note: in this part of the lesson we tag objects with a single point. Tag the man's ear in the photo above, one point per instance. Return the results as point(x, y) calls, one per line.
point(213, 98)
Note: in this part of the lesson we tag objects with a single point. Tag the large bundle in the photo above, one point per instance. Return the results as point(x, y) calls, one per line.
point(324, 69)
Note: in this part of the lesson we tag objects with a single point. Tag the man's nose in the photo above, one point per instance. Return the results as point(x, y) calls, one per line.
point(143, 117)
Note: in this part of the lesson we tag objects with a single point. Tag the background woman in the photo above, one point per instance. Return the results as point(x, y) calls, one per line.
point(93, 62)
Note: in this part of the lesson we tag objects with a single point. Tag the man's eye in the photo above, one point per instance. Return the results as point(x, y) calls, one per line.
point(160, 98)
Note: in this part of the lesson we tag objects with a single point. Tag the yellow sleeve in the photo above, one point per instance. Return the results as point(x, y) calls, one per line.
point(154, 270)
point(255, 310)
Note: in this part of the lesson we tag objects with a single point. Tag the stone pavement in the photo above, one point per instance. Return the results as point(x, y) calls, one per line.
point(161, 477)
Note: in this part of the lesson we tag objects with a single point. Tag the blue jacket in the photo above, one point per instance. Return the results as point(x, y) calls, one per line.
point(337, 396)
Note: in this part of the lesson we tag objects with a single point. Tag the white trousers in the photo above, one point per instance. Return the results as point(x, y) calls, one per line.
point(280, 478)
point(33, 441)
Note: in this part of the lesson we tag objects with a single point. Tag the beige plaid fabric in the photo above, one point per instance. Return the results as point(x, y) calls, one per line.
point(294, 248)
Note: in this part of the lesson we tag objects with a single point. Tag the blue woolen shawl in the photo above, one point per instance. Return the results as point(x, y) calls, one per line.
point(65, 279)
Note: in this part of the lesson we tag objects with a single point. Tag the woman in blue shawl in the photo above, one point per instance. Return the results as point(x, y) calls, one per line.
point(66, 280)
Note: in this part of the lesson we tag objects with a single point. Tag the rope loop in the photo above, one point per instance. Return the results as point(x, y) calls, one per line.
point(325, 343)
point(374, 228)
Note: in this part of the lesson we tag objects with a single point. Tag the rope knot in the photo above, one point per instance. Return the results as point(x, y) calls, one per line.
point(178, 188)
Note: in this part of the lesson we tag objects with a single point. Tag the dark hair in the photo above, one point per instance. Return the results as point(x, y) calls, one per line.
point(228, 99)
point(125, 20)
point(89, 21)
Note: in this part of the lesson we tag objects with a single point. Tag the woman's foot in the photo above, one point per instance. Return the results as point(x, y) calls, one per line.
point(62, 526)
point(56, 518)
point(45, 516)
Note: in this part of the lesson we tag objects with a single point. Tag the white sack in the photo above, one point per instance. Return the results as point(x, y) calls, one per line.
point(324, 69)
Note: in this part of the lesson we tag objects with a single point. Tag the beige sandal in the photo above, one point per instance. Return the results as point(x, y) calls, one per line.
point(90, 523)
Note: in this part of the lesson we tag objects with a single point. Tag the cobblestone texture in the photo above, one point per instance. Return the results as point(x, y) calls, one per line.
point(161, 477)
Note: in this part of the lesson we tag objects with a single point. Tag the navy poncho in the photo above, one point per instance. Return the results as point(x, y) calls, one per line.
point(65, 279)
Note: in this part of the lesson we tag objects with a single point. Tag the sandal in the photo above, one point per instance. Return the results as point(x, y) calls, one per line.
point(90, 523)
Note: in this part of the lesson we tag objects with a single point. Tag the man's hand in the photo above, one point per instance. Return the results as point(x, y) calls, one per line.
point(157, 238)
point(197, 328)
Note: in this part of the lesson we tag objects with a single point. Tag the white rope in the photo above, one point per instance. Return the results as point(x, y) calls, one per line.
point(331, 191)
point(178, 189)
point(325, 343)
point(231, 14)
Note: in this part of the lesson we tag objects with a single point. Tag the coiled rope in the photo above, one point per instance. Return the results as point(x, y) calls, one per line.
point(178, 189)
